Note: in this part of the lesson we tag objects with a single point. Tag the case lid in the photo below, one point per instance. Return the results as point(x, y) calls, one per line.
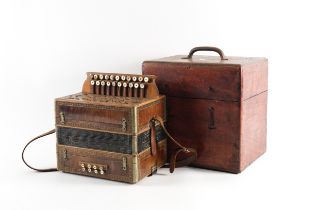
point(209, 77)
point(216, 60)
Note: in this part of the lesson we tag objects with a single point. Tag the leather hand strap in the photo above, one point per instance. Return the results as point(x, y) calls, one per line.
point(36, 169)
point(153, 139)
point(173, 163)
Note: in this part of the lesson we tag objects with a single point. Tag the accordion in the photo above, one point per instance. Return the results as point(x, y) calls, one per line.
point(105, 131)
point(113, 129)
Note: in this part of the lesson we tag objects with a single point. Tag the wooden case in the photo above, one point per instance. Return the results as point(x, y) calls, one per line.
point(217, 105)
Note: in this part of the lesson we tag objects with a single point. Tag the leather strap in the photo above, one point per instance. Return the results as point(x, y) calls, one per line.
point(153, 139)
point(36, 169)
point(173, 163)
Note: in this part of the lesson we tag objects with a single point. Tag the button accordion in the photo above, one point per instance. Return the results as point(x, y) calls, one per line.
point(106, 130)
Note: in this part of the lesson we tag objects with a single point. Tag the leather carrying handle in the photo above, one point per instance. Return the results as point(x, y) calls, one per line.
point(213, 49)
point(173, 163)
point(38, 137)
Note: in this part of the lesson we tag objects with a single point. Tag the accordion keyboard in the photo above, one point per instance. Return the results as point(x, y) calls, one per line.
point(121, 85)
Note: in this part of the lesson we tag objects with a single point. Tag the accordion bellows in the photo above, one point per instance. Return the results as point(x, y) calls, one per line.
point(105, 131)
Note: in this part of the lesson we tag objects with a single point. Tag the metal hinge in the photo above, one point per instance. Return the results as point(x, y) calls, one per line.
point(124, 167)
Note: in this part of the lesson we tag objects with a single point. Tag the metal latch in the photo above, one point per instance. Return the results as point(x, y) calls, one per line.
point(124, 167)
point(124, 124)
point(64, 154)
point(212, 118)
point(62, 118)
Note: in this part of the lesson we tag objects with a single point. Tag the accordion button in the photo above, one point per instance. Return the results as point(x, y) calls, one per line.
point(84, 169)
point(136, 85)
point(134, 79)
point(89, 170)
point(140, 79)
point(94, 167)
point(146, 79)
point(96, 171)
point(103, 83)
point(98, 83)
point(123, 77)
point(101, 172)
point(117, 77)
point(130, 85)
point(101, 76)
point(142, 86)
point(95, 76)
point(124, 84)
point(106, 76)
point(92, 82)
point(113, 83)
point(82, 165)
point(112, 77)
point(128, 78)
point(88, 166)
point(119, 84)
point(108, 83)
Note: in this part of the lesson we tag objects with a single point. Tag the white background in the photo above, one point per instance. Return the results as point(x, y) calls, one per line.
point(47, 46)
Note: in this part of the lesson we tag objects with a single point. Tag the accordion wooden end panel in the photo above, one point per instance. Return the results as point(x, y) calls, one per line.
point(104, 131)
point(110, 165)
